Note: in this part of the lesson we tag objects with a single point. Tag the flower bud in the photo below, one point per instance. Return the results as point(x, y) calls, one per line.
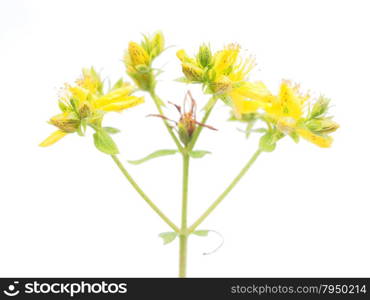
point(192, 72)
point(66, 122)
point(221, 85)
point(322, 125)
point(204, 56)
point(186, 127)
point(157, 44)
point(84, 109)
point(137, 54)
point(320, 107)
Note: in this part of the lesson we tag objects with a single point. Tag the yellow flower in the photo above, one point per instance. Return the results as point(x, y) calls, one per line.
point(289, 103)
point(225, 60)
point(85, 104)
point(220, 73)
point(288, 111)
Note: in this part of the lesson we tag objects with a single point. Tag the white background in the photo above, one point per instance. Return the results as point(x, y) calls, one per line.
point(67, 211)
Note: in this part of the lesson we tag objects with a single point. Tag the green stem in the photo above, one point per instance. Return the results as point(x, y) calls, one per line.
point(143, 195)
point(158, 102)
point(209, 106)
point(184, 213)
point(225, 192)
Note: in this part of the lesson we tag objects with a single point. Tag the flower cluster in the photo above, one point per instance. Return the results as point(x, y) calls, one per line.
point(225, 74)
point(85, 103)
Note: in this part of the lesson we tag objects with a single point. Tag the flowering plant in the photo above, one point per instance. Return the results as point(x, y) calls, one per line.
point(224, 75)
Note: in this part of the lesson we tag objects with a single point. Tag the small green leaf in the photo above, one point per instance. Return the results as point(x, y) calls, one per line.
point(155, 154)
point(249, 128)
point(104, 142)
point(268, 142)
point(201, 232)
point(168, 237)
point(183, 80)
point(198, 153)
point(111, 130)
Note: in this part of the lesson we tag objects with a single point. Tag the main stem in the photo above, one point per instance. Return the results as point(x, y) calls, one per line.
point(225, 192)
point(143, 195)
point(184, 213)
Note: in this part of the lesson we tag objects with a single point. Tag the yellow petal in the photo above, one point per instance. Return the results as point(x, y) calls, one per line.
point(321, 141)
point(226, 58)
point(138, 54)
point(120, 105)
point(255, 91)
point(53, 138)
point(79, 93)
point(116, 95)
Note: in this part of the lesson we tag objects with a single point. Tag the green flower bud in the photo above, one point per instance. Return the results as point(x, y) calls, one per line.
point(204, 56)
point(326, 125)
point(84, 109)
point(320, 107)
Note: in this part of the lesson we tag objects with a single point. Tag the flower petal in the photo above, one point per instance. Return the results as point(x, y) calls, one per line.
point(53, 138)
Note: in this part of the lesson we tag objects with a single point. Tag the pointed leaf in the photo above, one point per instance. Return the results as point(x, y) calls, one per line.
point(105, 143)
point(155, 154)
point(198, 153)
point(168, 237)
point(111, 130)
point(201, 232)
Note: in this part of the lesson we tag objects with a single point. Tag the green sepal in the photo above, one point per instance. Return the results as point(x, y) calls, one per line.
point(168, 237)
point(143, 69)
point(183, 80)
point(111, 130)
point(198, 153)
point(118, 84)
point(104, 143)
point(294, 136)
point(155, 154)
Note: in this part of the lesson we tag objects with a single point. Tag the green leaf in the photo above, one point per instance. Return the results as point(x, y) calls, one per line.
point(104, 142)
point(111, 130)
point(183, 80)
point(201, 232)
point(268, 142)
point(155, 154)
point(198, 153)
point(168, 237)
